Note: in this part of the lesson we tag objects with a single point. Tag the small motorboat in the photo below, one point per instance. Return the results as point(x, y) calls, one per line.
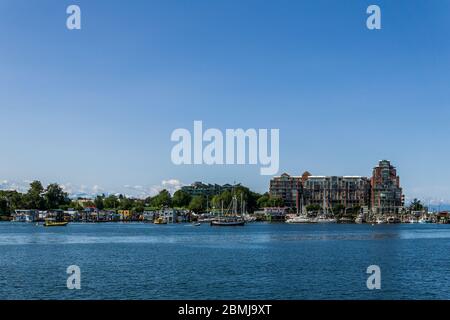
point(160, 220)
point(391, 220)
point(425, 220)
point(326, 220)
point(50, 223)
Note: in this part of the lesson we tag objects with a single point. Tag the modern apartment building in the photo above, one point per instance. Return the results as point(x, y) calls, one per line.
point(330, 191)
point(287, 188)
point(381, 193)
point(386, 193)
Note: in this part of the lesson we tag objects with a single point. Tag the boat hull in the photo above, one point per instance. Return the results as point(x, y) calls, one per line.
point(227, 223)
point(55, 224)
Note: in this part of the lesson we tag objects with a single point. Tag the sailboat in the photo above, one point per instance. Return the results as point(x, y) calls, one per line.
point(324, 217)
point(300, 217)
point(232, 219)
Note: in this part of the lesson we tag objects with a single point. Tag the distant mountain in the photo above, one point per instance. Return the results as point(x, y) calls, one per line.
point(442, 207)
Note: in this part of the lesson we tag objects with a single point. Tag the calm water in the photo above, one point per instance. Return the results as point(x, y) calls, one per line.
point(258, 261)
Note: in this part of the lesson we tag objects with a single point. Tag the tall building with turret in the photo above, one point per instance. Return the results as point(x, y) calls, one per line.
point(386, 193)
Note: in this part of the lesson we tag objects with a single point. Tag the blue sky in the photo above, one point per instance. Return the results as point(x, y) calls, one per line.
point(94, 109)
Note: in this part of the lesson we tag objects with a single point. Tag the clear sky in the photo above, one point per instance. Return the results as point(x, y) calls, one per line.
point(93, 109)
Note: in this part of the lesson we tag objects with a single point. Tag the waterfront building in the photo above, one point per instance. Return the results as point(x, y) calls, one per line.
point(380, 194)
point(149, 215)
point(169, 215)
point(288, 188)
point(72, 214)
point(386, 193)
point(275, 214)
point(84, 201)
point(331, 191)
point(25, 215)
point(125, 215)
point(202, 189)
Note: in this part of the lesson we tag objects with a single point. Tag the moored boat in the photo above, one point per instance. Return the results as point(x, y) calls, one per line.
point(50, 223)
point(392, 220)
point(360, 219)
point(300, 219)
point(160, 220)
point(326, 220)
point(425, 220)
point(228, 221)
point(232, 218)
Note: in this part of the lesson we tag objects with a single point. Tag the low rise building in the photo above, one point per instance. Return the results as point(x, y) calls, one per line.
point(203, 189)
point(25, 216)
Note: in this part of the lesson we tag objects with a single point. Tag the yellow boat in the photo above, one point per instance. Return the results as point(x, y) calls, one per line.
point(55, 224)
point(160, 221)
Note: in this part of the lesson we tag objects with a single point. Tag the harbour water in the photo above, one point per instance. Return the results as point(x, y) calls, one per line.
point(257, 261)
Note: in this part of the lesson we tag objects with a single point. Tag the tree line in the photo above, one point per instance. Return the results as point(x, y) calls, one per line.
point(54, 197)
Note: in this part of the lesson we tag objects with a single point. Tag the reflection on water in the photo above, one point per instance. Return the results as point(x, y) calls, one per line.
point(258, 261)
point(78, 233)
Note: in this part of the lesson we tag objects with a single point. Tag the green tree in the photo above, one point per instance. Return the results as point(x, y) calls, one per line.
point(416, 205)
point(98, 202)
point(138, 208)
point(14, 199)
point(75, 205)
point(148, 201)
point(181, 199)
point(55, 196)
point(33, 198)
point(275, 202)
point(338, 210)
point(197, 204)
point(125, 203)
point(111, 202)
point(313, 207)
point(162, 199)
point(263, 201)
point(4, 207)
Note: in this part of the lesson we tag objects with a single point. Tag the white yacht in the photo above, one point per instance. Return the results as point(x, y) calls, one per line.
point(326, 220)
point(425, 220)
point(392, 220)
point(249, 218)
point(300, 219)
point(360, 219)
